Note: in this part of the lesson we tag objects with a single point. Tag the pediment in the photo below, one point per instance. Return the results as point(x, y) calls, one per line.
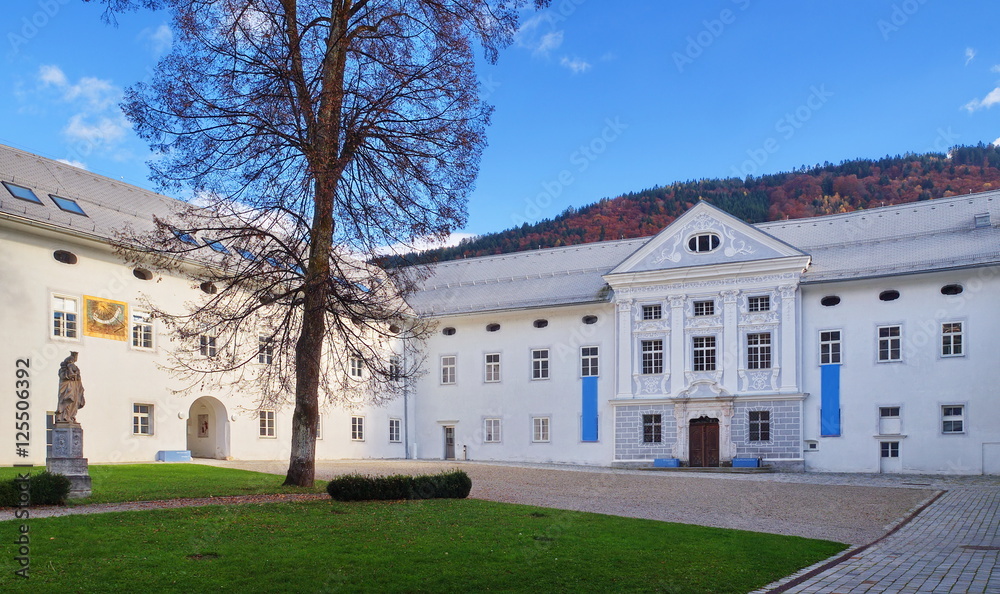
point(736, 242)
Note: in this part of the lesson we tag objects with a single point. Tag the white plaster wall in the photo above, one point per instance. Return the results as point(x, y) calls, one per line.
point(920, 384)
point(115, 375)
point(517, 398)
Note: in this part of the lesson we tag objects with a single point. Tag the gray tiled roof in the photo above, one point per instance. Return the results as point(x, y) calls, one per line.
point(921, 236)
point(109, 204)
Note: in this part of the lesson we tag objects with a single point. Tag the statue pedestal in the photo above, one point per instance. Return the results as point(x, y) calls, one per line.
point(67, 458)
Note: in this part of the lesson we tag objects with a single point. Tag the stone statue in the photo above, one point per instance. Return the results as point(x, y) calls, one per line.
point(70, 390)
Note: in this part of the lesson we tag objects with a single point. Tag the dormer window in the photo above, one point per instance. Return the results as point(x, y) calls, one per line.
point(704, 242)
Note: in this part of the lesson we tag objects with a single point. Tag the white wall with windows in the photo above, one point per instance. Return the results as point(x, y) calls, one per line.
point(918, 372)
point(510, 385)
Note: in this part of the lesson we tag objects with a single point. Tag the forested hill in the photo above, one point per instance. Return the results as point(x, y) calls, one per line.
point(806, 192)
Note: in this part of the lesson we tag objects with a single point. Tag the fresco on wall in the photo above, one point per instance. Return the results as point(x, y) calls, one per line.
point(104, 318)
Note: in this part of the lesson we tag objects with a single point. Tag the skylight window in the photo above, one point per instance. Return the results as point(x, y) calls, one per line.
point(21, 192)
point(215, 245)
point(185, 237)
point(247, 255)
point(67, 205)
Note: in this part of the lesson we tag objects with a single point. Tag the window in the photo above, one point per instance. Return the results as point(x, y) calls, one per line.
point(760, 425)
point(246, 254)
point(829, 347)
point(890, 295)
point(67, 205)
point(492, 367)
point(953, 419)
point(652, 312)
point(952, 290)
point(265, 350)
point(889, 449)
point(65, 257)
point(185, 237)
point(540, 364)
point(394, 431)
point(266, 418)
point(759, 303)
point(21, 192)
point(704, 242)
point(448, 366)
point(652, 428)
point(539, 429)
point(652, 356)
point(830, 301)
point(589, 320)
point(216, 245)
point(356, 367)
point(142, 274)
point(759, 351)
point(704, 308)
point(704, 353)
point(142, 419)
point(209, 288)
point(588, 361)
point(50, 425)
point(319, 426)
point(395, 368)
point(540, 323)
point(889, 342)
point(206, 345)
point(491, 431)
point(142, 330)
point(64, 317)
point(493, 327)
point(357, 428)
point(888, 412)
point(951, 339)
point(449, 331)
point(981, 220)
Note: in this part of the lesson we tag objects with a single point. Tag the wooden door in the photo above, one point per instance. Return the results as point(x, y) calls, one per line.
point(449, 443)
point(703, 442)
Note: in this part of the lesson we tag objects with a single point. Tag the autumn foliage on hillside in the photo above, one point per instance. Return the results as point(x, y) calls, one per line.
point(806, 192)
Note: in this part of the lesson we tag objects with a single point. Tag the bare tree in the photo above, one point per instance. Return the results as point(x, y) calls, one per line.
point(314, 132)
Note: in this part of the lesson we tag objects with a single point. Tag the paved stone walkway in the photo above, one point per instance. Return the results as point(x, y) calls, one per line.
point(952, 545)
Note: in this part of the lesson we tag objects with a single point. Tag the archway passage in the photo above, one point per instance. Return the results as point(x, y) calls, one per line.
point(703, 442)
point(208, 429)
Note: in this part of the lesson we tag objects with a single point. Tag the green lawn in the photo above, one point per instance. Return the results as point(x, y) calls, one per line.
point(147, 482)
point(433, 545)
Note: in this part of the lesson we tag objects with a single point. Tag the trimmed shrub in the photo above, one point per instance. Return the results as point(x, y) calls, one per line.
point(355, 487)
point(45, 488)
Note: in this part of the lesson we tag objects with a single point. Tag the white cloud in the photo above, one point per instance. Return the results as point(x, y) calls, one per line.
point(424, 244)
point(991, 99)
point(96, 130)
point(970, 53)
point(539, 35)
point(158, 40)
point(995, 68)
point(73, 163)
point(576, 65)
point(996, 142)
point(52, 76)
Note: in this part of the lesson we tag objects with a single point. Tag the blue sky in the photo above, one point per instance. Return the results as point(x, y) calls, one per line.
point(594, 98)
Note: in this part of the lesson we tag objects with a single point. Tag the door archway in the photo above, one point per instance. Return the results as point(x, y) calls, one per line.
point(208, 429)
point(703, 444)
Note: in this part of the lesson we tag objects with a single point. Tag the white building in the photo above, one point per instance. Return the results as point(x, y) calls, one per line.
point(855, 342)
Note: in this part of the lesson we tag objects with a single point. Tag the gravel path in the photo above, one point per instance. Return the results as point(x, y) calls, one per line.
point(853, 509)
point(849, 513)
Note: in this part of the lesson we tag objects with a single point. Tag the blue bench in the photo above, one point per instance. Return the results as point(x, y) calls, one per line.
point(173, 456)
point(666, 463)
point(746, 462)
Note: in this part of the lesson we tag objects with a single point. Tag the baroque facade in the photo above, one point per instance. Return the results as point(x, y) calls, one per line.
point(858, 342)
